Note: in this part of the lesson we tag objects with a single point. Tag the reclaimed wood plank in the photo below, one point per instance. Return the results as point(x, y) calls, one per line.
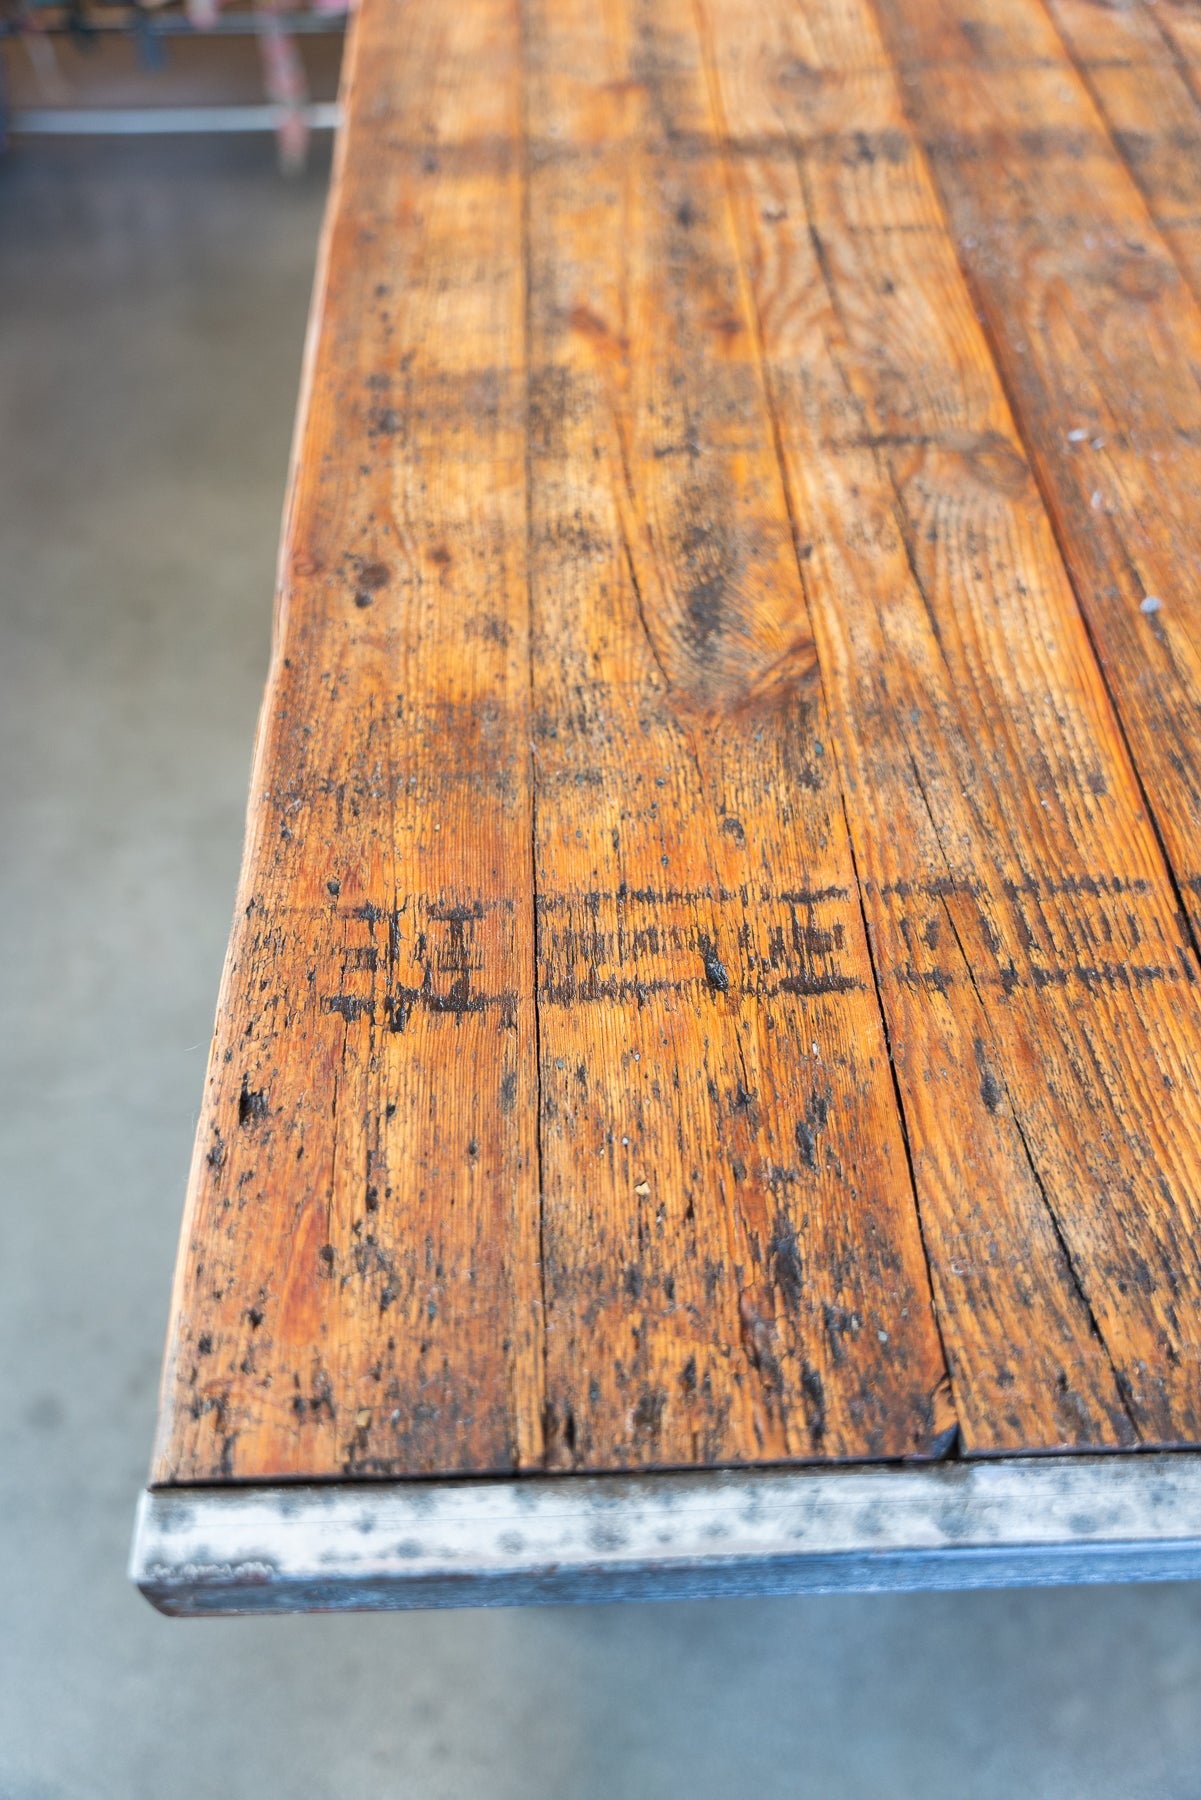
point(1039, 987)
point(1096, 337)
point(1145, 89)
point(358, 1288)
point(733, 1266)
point(701, 888)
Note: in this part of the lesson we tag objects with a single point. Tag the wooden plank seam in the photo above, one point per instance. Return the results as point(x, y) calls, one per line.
point(715, 973)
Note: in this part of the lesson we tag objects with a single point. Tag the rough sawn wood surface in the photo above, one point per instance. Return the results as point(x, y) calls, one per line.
point(715, 975)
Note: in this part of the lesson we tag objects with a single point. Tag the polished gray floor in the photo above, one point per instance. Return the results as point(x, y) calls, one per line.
point(151, 309)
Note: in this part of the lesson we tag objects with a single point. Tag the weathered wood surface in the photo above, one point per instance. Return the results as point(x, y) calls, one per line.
point(358, 1288)
point(1097, 337)
point(1141, 65)
point(712, 980)
point(733, 1263)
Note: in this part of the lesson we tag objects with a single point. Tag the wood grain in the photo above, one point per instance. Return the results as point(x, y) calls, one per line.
point(1009, 937)
point(732, 1260)
point(1093, 327)
point(712, 980)
point(357, 1290)
point(1139, 64)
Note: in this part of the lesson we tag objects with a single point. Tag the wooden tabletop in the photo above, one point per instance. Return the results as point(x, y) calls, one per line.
point(715, 973)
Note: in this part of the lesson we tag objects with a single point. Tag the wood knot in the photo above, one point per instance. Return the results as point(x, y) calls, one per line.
point(1138, 276)
point(992, 461)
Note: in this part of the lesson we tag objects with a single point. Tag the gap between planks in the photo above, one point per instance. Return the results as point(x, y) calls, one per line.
point(991, 1110)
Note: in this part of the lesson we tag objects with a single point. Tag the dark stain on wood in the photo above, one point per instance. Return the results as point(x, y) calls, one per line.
point(715, 974)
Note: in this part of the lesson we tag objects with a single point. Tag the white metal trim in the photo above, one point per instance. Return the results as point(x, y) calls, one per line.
point(162, 121)
point(348, 1546)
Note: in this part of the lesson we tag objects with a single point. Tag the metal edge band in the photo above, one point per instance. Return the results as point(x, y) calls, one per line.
point(1010, 1522)
point(155, 121)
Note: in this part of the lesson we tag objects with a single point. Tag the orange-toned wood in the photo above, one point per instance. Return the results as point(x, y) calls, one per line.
point(358, 1284)
point(1133, 61)
point(706, 964)
point(1093, 328)
point(733, 1263)
point(1010, 938)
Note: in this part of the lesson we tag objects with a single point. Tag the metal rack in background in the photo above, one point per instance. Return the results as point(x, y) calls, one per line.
point(153, 29)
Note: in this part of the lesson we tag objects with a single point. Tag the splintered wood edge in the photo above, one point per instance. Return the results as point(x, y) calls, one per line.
point(1013, 1522)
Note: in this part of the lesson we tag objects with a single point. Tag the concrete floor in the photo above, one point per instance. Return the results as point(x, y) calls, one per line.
point(151, 307)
